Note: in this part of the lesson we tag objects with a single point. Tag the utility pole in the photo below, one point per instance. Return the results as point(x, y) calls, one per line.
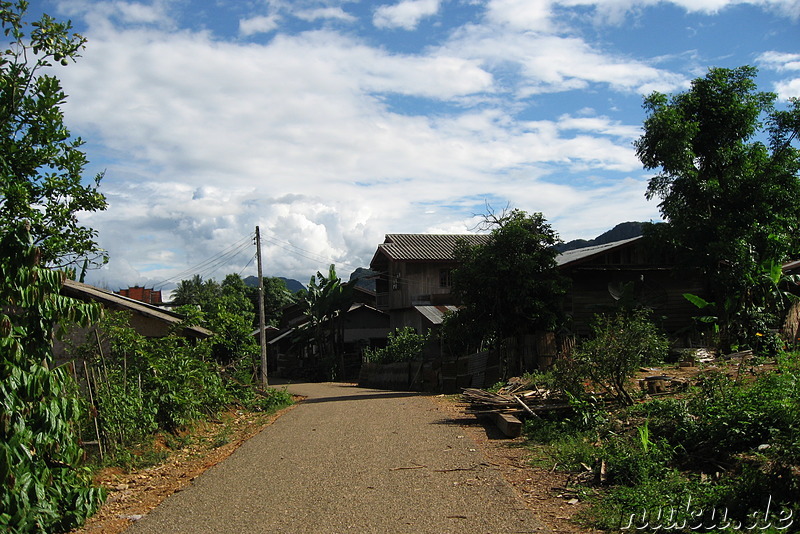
point(261, 323)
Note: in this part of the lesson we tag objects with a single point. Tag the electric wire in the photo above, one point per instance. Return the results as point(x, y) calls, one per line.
point(248, 263)
point(303, 253)
point(225, 257)
point(212, 263)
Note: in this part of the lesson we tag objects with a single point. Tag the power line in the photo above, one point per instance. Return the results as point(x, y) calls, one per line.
point(303, 253)
point(212, 263)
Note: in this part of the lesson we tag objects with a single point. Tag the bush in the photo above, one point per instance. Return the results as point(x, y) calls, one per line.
point(126, 417)
point(181, 385)
point(143, 385)
point(620, 344)
point(744, 438)
point(403, 345)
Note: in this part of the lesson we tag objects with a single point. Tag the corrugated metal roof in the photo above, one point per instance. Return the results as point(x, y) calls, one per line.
point(79, 290)
point(791, 266)
point(572, 256)
point(425, 247)
point(435, 314)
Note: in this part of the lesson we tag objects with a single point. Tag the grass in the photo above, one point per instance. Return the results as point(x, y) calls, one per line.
point(724, 446)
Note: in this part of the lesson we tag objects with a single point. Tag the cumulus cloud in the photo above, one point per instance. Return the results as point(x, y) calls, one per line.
point(788, 89)
point(260, 24)
point(330, 13)
point(783, 62)
point(328, 140)
point(780, 61)
point(534, 15)
point(406, 14)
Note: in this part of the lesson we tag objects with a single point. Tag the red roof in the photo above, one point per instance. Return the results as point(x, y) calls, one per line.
point(142, 294)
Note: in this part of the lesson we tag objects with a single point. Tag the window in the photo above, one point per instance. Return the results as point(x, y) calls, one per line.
point(444, 277)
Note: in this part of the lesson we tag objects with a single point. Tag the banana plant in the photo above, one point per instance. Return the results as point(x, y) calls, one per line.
point(325, 303)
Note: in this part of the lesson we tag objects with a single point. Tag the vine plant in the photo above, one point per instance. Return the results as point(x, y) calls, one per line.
point(45, 488)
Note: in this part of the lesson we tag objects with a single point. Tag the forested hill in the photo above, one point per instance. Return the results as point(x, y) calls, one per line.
point(292, 285)
point(621, 231)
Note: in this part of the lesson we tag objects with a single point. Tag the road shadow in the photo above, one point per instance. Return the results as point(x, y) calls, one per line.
point(363, 396)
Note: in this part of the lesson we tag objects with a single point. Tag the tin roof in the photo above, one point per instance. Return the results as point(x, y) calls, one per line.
point(572, 256)
point(82, 291)
point(424, 247)
point(435, 314)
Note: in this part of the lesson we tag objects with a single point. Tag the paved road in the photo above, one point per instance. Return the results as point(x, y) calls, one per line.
point(349, 460)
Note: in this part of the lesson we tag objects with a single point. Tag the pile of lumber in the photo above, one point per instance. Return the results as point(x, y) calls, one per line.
point(510, 403)
point(513, 399)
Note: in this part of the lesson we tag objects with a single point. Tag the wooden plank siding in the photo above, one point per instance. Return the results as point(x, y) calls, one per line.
point(591, 293)
point(600, 280)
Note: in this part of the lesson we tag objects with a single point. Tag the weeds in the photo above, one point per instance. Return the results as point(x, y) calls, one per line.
point(729, 446)
point(142, 386)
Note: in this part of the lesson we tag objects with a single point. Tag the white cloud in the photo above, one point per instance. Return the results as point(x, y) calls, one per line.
point(552, 63)
point(533, 15)
point(330, 13)
point(406, 14)
point(788, 89)
point(783, 62)
point(780, 61)
point(260, 24)
point(599, 125)
point(205, 138)
point(124, 13)
point(614, 11)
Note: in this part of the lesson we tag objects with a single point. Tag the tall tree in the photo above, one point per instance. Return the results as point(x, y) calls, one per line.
point(276, 296)
point(325, 304)
point(197, 292)
point(510, 286)
point(41, 165)
point(728, 187)
point(226, 310)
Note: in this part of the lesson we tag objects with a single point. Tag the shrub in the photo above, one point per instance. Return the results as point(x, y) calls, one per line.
point(147, 384)
point(620, 344)
point(403, 345)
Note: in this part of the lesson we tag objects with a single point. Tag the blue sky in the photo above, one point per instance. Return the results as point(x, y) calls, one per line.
point(330, 123)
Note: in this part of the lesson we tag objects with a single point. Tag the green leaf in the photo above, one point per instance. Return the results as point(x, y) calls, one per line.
point(700, 302)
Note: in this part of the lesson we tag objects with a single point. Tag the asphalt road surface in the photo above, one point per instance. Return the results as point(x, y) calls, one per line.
point(349, 459)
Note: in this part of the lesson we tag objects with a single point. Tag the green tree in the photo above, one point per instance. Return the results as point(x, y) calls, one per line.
point(729, 198)
point(197, 292)
point(276, 296)
point(510, 286)
point(325, 303)
point(45, 488)
point(226, 310)
point(41, 165)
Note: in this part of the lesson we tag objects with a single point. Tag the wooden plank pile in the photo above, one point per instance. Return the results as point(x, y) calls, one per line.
point(510, 403)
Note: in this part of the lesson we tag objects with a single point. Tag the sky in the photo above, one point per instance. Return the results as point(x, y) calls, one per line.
point(330, 123)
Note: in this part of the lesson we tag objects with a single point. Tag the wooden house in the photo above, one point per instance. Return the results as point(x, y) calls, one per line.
point(414, 283)
point(146, 319)
point(291, 353)
point(627, 272)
